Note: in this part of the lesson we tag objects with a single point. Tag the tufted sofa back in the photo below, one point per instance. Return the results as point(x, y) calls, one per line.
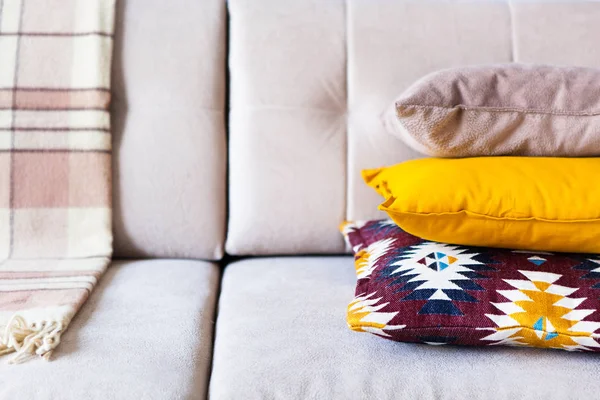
point(169, 147)
point(310, 80)
point(308, 83)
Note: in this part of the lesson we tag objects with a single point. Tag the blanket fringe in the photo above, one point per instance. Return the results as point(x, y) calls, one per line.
point(30, 339)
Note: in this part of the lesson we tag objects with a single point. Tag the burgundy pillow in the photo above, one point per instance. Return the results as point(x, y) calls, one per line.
point(413, 290)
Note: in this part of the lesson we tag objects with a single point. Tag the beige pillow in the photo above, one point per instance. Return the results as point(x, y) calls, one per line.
point(511, 109)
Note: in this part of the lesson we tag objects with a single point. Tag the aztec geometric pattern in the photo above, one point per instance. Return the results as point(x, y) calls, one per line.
point(413, 290)
point(541, 313)
point(592, 266)
point(441, 274)
point(365, 308)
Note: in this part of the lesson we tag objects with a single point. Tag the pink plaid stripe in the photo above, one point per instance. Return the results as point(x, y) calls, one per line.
point(55, 176)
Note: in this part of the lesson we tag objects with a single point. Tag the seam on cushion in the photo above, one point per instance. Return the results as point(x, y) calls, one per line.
point(346, 118)
point(513, 32)
point(363, 283)
point(359, 232)
point(354, 228)
point(413, 141)
point(362, 238)
point(505, 110)
point(273, 107)
point(365, 247)
point(414, 328)
point(474, 214)
point(352, 245)
point(367, 284)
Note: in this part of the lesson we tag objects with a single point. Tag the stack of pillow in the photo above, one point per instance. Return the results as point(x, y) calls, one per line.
point(492, 242)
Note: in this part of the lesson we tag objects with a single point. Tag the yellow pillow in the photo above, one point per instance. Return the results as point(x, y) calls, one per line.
point(514, 202)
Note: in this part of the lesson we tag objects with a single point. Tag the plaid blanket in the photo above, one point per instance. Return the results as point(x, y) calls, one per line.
point(55, 215)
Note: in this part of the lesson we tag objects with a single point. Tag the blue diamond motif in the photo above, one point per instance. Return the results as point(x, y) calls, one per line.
point(536, 260)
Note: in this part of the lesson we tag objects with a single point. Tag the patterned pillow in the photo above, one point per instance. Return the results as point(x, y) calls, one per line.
point(413, 290)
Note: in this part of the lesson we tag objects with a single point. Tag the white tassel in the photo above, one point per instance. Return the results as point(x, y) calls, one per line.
point(29, 339)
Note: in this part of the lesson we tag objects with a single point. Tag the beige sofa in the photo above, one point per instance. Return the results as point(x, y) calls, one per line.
point(266, 153)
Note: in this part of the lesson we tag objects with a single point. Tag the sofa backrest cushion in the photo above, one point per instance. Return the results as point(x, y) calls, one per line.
point(310, 80)
point(169, 129)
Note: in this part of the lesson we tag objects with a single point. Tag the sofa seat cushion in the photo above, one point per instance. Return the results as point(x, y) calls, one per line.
point(281, 334)
point(145, 333)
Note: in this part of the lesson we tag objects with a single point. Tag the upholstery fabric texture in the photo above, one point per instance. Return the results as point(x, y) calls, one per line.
point(55, 177)
point(510, 109)
point(287, 126)
point(145, 333)
point(168, 114)
point(311, 82)
point(533, 203)
point(391, 44)
point(414, 290)
point(308, 352)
